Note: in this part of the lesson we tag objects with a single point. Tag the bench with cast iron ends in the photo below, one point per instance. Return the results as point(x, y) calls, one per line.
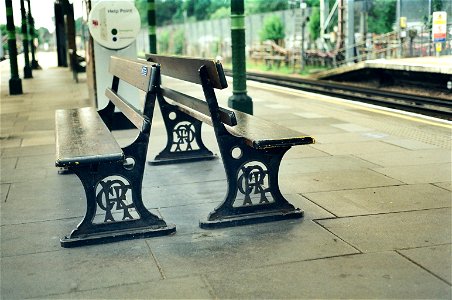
point(251, 148)
point(111, 176)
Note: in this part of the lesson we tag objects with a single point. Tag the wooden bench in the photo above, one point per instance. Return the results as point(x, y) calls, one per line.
point(111, 176)
point(251, 148)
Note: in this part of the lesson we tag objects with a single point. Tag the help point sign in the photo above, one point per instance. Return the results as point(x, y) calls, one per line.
point(439, 26)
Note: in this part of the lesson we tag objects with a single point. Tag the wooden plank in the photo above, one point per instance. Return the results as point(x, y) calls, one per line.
point(226, 116)
point(126, 108)
point(262, 134)
point(186, 68)
point(135, 72)
point(83, 138)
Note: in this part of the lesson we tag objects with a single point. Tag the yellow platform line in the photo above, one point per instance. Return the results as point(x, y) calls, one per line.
point(374, 110)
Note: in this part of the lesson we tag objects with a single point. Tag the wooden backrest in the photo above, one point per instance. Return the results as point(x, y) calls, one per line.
point(186, 68)
point(138, 73)
point(135, 72)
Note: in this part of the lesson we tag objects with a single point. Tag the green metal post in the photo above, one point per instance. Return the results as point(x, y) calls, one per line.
point(239, 99)
point(31, 23)
point(15, 83)
point(27, 68)
point(152, 28)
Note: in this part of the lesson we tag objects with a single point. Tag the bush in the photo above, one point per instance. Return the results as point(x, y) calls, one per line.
point(179, 42)
point(163, 41)
point(273, 29)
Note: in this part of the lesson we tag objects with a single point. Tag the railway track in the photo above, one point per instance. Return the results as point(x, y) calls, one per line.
point(431, 106)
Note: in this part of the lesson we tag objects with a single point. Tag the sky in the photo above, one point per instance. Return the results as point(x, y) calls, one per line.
point(41, 10)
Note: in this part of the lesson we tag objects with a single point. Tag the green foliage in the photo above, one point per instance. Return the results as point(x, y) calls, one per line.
point(273, 29)
point(382, 16)
point(179, 41)
point(221, 13)
point(262, 6)
point(163, 42)
point(314, 23)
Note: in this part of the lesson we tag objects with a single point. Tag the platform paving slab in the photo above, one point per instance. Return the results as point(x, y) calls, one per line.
point(435, 259)
point(321, 164)
point(65, 199)
point(335, 180)
point(385, 275)
point(408, 157)
point(427, 173)
point(192, 287)
point(77, 269)
point(410, 144)
point(394, 231)
point(245, 247)
point(382, 199)
point(347, 137)
point(356, 147)
point(444, 185)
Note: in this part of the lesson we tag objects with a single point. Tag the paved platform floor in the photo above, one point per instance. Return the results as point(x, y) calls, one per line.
point(375, 188)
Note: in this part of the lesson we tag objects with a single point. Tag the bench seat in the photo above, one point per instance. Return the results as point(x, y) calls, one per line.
point(83, 138)
point(258, 133)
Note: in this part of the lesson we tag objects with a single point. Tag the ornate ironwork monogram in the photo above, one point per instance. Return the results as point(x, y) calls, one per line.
point(253, 180)
point(184, 134)
point(112, 195)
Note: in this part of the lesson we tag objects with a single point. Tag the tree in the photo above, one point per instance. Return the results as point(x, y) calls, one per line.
point(273, 29)
point(261, 6)
point(381, 16)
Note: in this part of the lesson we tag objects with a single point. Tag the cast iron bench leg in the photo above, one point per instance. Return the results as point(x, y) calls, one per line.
point(184, 142)
point(253, 193)
point(118, 200)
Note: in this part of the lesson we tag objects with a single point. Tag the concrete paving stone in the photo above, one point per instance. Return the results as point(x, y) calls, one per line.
point(310, 115)
point(77, 269)
point(334, 180)
point(356, 148)
point(350, 127)
point(365, 276)
point(10, 142)
point(7, 164)
point(445, 185)
point(41, 124)
point(184, 194)
point(44, 199)
point(27, 151)
point(394, 231)
point(436, 259)
point(303, 151)
point(192, 287)
point(22, 175)
point(427, 173)
point(410, 144)
point(291, 122)
point(4, 189)
point(187, 217)
point(185, 173)
point(243, 247)
point(321, 164)
point(345, 137)
point(382, 199)
point(407, 158)
point(278, 106)
point(313, 130)
point(35, 237)
point(41, 138)
point(41, 161)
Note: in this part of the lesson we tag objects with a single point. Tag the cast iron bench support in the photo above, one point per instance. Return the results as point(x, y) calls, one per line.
point(111, 176)
point(251, 148)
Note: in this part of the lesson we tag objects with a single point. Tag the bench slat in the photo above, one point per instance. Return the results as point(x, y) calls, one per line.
point(227, 116)
point(135, 72)
point(261, 134)
point(258, 133)
point(187, 69)
point(83, 138)
point(126, 108)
